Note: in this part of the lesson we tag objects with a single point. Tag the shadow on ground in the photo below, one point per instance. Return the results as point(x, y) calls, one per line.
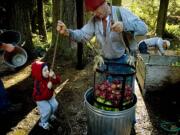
point(163, 105)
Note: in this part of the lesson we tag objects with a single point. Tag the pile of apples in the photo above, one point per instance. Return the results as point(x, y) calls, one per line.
point(110, 94)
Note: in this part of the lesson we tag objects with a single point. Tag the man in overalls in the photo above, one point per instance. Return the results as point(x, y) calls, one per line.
point(115, 29)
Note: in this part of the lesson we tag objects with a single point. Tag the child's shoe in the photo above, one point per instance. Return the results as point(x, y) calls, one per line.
point(45, 125)
point(53, 117)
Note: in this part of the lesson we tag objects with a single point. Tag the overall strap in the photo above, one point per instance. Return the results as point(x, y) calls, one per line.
point(126, 42)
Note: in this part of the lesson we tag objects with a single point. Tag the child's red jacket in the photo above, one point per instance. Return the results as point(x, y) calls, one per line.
point(41, 91)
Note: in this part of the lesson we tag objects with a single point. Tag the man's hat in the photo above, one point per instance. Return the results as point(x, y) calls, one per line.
point(92, 5)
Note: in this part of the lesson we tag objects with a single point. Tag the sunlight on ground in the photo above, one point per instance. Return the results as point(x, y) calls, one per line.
point(30, 120)
point(13, 79)
point(143, 124)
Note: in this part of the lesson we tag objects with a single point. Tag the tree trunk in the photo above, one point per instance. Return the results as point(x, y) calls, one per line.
point(34, 16)
point(79, 10)
point(65, 11)
point(3, 15)
point(41, 22)
point(162, 15)
point(19, 20)
point(116, 2)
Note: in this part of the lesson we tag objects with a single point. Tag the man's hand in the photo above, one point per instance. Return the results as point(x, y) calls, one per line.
point(62, 29)
point(98, 62)
point(117, 26)
point(131, 60)
point(8, 47)
point(139, 57)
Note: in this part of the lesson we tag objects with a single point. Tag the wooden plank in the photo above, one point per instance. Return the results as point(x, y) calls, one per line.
point(155, 71)
point(140, 73)
point(158, 76)
point(26, 125)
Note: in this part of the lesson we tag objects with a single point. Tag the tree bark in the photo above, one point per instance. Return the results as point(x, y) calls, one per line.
point(116, 2)
point(162, 16)
point(65, 11)
point(33, 17)
point(19, 20)
point(41, 22)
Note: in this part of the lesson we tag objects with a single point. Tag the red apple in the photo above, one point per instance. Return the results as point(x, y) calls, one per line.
point(102, 94)
point(102, 87)
point(97, 92)
point(110, 96)
point(117, 97)
point(119, 86)
point(106, 82)
point(96, 86)
point(109, 89)
point(113, 86)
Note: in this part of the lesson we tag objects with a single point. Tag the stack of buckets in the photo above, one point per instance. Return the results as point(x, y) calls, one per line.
point(108, 122)
point(18, 57)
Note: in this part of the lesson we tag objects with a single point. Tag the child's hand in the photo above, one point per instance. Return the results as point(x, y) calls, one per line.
point(52, 74)
point(49, 85)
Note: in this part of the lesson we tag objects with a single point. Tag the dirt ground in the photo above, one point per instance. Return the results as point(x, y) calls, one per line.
point(71, 112)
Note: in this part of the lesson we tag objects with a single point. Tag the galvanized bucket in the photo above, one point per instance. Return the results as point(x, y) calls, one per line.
point(101, 122)
point(15, 59)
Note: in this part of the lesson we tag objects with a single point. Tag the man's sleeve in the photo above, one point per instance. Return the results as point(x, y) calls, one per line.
point(133, 23)
point(84, 34)
point(160, 45)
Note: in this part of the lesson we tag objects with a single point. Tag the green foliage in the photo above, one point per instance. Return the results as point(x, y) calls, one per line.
point(48, 14)
point(174, 29)
point(174, 7)
point(40, 47)
point(147, 11)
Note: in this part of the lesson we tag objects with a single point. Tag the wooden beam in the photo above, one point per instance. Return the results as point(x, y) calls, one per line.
point(26, 125)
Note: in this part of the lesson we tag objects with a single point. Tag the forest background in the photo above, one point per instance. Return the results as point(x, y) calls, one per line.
point(37, 19)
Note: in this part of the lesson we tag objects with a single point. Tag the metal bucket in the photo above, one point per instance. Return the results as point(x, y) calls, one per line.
point(15, 59)
point(101, 122)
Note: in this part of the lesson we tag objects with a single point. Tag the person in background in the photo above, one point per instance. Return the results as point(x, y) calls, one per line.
point(155, 43)
point(43, 92)
point(6, 107)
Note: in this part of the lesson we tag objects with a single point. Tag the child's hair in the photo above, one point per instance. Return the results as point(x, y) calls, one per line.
point(167, 43)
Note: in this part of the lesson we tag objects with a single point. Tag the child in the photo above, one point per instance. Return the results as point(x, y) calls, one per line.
point(43, 92)
point(155, 42)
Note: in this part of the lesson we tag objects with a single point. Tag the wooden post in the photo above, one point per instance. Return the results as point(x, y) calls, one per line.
point(79, 10)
